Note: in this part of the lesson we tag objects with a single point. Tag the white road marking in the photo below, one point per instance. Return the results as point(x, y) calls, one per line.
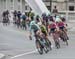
point(23, 54)
point(26, 53)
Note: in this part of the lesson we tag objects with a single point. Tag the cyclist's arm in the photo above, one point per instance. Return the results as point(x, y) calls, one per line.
point(30, 28)
point(49, 29)
point(38, 26)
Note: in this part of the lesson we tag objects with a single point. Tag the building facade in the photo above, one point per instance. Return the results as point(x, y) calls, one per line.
point(19, 5)
point(22, 6)
point(62, 5)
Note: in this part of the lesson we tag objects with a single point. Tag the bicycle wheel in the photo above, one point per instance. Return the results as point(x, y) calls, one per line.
point(65, 38)
point(49, 44)
point(56, 40)
point(45, 46)
point(46, 49)
point(30, 37)
point(39, 48)
point(57, 45)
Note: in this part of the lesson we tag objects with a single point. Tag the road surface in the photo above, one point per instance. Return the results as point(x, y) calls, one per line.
point(15, 44)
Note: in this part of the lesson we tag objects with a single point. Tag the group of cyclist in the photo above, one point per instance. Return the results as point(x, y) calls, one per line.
point(5, 16)
point(42, 25)
point(22, 19)
point(49, 25)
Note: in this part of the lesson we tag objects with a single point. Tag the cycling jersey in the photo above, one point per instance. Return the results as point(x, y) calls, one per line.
point(35, 27)
point(52, 27)
point(60, 24)
point(43, 29)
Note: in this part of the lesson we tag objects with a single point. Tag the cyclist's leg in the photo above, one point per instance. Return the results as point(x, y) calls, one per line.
point(61, 33)
point(36, 34)
point(66, 33)
point(63, 30)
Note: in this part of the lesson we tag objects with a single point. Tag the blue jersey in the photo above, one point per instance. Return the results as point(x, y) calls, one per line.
point(34, 26)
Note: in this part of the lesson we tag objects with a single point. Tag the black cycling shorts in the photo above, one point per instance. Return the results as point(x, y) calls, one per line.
point(35, 32)
point(61, 28)
point(44, 32)
point(52, 30)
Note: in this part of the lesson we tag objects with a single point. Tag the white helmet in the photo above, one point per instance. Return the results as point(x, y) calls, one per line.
point(62, 16)
point(57, 17)
point(39, 23)
point(58, 20)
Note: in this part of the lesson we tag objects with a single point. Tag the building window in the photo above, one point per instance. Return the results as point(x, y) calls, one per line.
point(30, 9)
point(46, 0)
point(18, 0)
point(26, 7)
point(11, 0)
point(1, 0)
point(71, 8)
point(4, 0)
point(71, 0)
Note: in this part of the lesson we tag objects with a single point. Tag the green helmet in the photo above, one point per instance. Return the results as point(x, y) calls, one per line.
point(37, 16)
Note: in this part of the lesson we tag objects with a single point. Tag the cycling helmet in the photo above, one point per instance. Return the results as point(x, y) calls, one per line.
point(49, 14)
point(62, 16)
point(58, 20)
point(57, 16)
point(39, 23)
point(37, 16)
point(44, 14)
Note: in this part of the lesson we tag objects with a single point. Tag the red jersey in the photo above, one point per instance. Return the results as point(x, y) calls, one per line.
point(53, 25)
point(60, 24)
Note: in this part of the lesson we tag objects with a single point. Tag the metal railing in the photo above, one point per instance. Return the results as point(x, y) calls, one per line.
point(70, 15)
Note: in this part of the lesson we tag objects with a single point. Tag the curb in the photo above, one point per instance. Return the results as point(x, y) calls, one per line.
point(2, 56)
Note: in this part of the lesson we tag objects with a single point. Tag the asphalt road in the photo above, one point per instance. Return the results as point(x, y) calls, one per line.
point(15, 44)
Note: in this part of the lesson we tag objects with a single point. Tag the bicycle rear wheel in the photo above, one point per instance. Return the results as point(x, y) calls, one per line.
point(39, 47)
point(65, 38)
point(57, 44)
point(49, 44)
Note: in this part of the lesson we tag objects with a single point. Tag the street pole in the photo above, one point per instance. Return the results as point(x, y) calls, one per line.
point(13, 4)
point(50, 5)
point(66, 9)
point(6, 4)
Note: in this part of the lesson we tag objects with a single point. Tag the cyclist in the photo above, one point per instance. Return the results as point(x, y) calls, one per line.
point(42, 26)
point(35, 27)
point(52, 28)
point(15, 16)
point(45, 33)
point(45, 17)
point(37, 18)
point(61, 26)
point(43, 29)
point(24, 21)
point(63, 19)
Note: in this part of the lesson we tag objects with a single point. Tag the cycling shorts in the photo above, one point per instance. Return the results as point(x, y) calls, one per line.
point(52, 30)
point(61, 28)
point(44, 32)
